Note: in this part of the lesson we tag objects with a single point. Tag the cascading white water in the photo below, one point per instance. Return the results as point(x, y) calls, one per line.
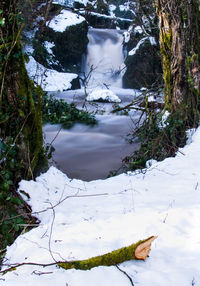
point(85, 152)
point(104, 60)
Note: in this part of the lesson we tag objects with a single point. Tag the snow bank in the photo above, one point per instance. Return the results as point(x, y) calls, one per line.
point(65, 19)
point(50, 80)
point(104, 95)
point(82, 219)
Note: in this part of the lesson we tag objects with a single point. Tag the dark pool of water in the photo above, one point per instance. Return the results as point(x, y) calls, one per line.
point(90, 153)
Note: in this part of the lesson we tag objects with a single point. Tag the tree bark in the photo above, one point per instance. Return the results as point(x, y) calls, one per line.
point(23, 121)
point(180, 41)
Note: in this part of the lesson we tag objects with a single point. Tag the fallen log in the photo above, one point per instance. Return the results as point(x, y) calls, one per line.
point(138, 251)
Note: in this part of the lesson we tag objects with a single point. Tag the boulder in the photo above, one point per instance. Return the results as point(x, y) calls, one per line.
point(143, 66)
point(69, 42)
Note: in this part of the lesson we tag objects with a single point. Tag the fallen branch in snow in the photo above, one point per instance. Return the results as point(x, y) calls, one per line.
point(138, 251)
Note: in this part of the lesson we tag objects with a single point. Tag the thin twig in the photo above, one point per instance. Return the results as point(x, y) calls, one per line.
point(67, 197)
point(125, 273)
point(51, 230)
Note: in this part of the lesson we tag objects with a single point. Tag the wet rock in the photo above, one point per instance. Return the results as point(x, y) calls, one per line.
point(106, 22)
point(143, 65)
point(70, 46)
point(75, 83)
point(99, 15)
point(67, 50)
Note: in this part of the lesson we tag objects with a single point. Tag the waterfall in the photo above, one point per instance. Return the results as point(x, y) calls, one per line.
point(104, 62)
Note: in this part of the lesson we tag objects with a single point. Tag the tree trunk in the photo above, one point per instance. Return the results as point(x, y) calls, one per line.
point(180, 47)
point(20, 101)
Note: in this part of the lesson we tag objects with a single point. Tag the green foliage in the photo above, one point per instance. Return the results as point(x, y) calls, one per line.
point(158, 142)
point(57, 111)
point(10, 219)
point(2, 20)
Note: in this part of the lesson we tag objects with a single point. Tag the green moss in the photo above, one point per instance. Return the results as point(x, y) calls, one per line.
point(165, 48)
point(32, 132)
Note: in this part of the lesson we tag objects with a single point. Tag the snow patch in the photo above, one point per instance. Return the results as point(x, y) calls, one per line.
point(163, 122)
point(126, 36)
point(138, 29)
point(49, 46)
point(50, 80)
point(103, 94)
point(65, 19)
point(133, 51)
point(151, 39)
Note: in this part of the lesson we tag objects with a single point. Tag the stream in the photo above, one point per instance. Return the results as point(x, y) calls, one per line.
point(90, 153)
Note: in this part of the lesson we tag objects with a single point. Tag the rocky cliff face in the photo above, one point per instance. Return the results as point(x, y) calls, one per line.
point(141, 45)
point(63, 50)
point(69, 46)
point(143, 64)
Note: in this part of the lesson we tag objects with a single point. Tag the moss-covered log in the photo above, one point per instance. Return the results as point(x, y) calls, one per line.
point(139, 250)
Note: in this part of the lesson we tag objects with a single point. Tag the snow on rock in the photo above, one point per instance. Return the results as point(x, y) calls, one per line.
point(112, 8)
point(50, 80)
point(49, 46)
point(85, 2)
point(104, 95)
point(83, 219)
point(126, 36)
point(163, 123)
point(65, 19)
point(138, 29)
point(125, 7)
point(134, 50)
point(152, 41)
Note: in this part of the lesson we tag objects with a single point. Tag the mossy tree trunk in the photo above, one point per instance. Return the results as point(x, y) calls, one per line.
point(180, 48)
point(20, 101)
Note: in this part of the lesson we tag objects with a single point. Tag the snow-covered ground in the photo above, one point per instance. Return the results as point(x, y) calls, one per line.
point(83, 219)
